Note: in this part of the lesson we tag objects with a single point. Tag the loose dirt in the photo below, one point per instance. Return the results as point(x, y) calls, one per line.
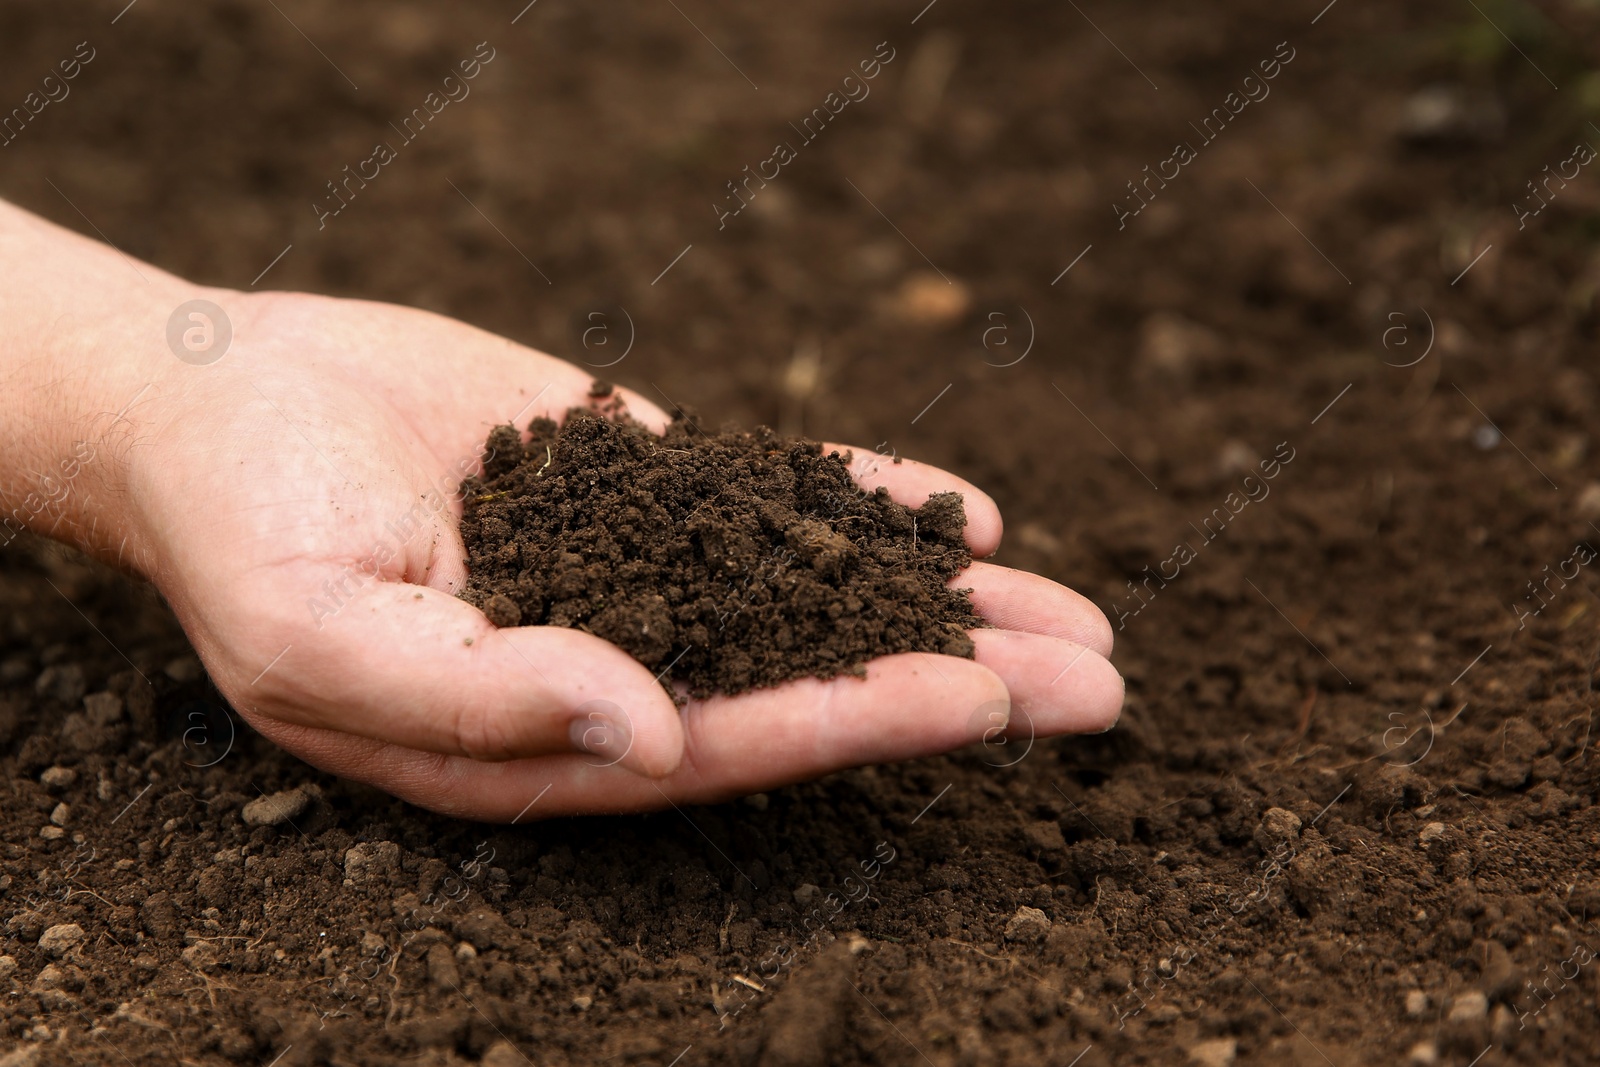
point(1349, 815)
point(725, 562)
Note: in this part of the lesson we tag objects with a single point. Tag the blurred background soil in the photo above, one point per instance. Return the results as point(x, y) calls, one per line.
point(1349, 815)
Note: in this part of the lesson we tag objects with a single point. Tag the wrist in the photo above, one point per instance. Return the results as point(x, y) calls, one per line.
point(83, 361)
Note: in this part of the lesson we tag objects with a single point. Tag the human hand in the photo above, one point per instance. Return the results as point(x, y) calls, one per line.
point(295, 504)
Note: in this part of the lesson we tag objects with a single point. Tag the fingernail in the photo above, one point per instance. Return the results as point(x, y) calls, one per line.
point(1122, 703)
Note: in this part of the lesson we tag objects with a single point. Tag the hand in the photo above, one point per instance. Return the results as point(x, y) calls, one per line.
point(294, 502)
point(297, 502)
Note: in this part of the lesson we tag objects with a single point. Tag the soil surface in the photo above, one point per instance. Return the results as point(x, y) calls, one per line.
point(1350, 813)
point(724, 562)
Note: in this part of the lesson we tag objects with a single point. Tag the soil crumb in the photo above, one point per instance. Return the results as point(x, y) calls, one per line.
point(727, 561)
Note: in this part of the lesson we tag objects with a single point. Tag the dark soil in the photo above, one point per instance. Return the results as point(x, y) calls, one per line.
point(725, 562)
point(1350, 814)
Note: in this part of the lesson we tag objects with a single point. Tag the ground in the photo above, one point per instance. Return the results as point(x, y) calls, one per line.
point(1349, 814)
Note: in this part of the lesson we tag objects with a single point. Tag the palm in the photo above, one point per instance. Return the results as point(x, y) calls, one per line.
point(317, 576)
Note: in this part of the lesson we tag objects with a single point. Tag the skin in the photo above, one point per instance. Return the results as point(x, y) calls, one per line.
point(255, 488)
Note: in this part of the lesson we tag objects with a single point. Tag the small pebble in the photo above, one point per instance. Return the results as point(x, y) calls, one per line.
point(58, 778)
point(1588, 502)
point(104, 709)
point(931, 300)
point(1171, 345)
point(8, 967)
point(60, 939)
point(1028, 924)
point(277, 809)
point(1218, 1052)
point(1423, 1053)
point(52, 833)
point(504, 1054)
point(61, 814)
point(806, 894)
point(1236, 457)
point(371, 862)
point(582, 1003)
point(1469, 1007)
point(183, 669)
point(443, 974)
point(1431, 832)
point(48, 978)
point(1277, 826)
point(1452, 114)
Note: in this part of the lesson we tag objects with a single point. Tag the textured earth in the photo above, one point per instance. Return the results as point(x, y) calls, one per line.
point(723, 562)
point(1271, 327)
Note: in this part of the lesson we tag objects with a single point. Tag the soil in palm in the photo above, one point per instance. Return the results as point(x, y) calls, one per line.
point(725, 561)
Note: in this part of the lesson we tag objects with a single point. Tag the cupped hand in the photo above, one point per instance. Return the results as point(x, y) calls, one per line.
point(295, 502)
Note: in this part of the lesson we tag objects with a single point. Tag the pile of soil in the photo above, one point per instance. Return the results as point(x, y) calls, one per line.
point(726, 562)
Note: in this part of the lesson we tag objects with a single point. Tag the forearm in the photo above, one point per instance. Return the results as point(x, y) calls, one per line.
point(83, 360)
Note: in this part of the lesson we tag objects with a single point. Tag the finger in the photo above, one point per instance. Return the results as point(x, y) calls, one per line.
point(911, 483)
point(1056, 687)
point(911, 705)
point(416, 667)
point(1016, 600)
point(503, 381)
point(556, 394)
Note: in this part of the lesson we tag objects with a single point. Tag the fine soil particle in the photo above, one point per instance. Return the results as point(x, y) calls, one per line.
point(726, 562)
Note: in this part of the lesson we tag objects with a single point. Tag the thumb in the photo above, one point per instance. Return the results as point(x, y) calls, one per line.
point(414, 666)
